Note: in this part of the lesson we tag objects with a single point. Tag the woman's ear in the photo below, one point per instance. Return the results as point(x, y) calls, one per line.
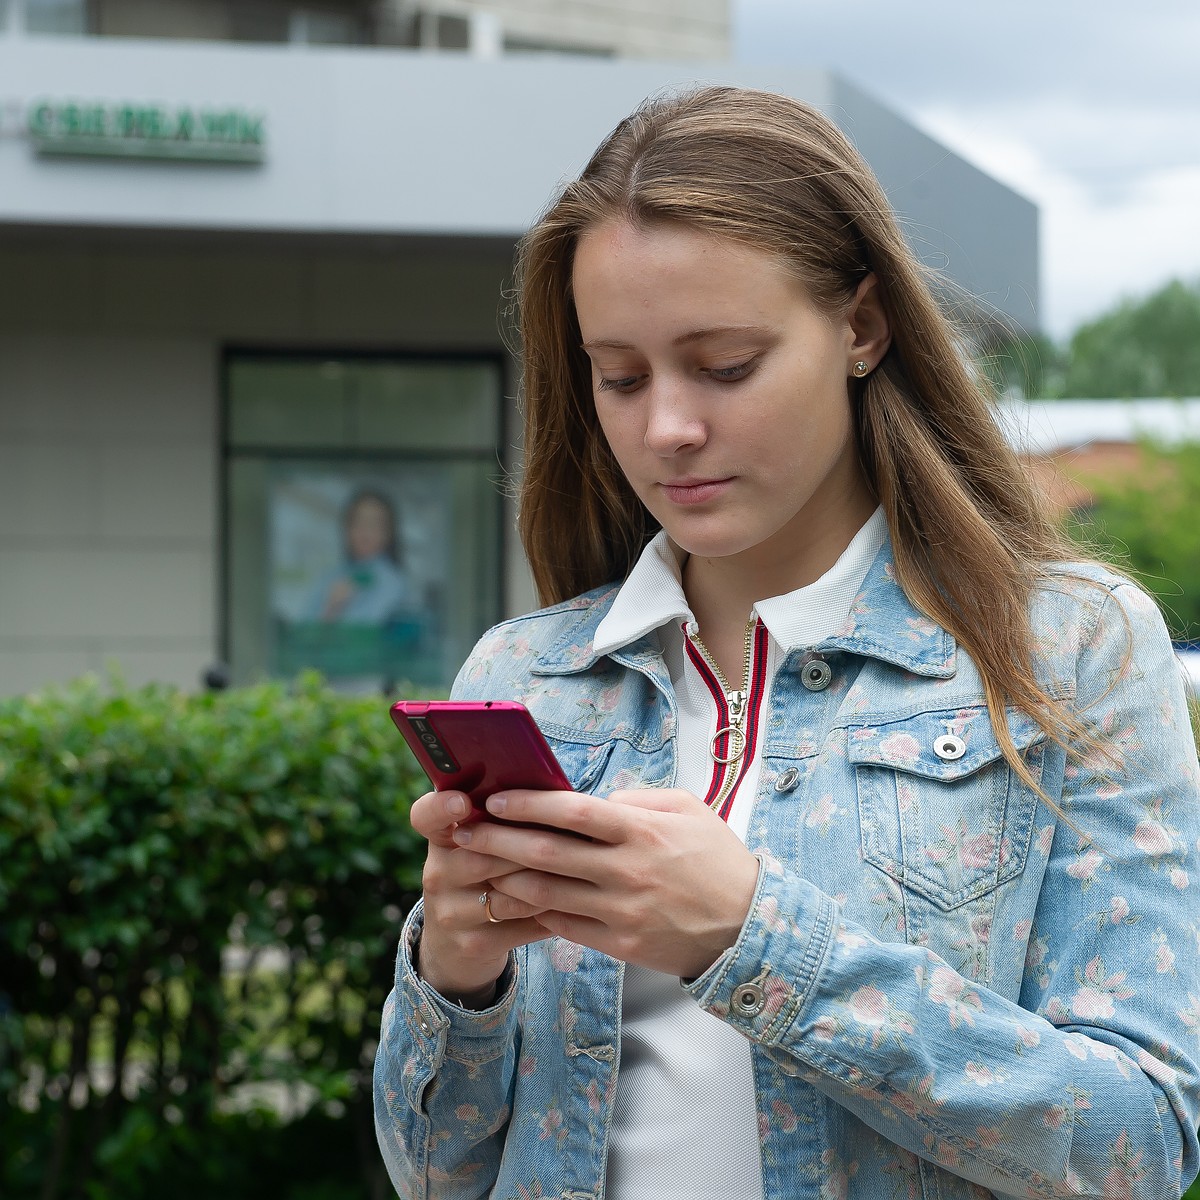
point(870, 328)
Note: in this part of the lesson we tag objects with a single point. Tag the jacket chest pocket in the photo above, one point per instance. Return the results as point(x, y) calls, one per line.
point(940, 810)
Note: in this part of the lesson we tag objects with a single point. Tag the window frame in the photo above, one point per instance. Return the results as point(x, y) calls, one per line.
point(228, 453)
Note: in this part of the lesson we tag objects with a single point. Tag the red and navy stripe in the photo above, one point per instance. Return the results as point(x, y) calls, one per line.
point(758, 685)
point(718, 694)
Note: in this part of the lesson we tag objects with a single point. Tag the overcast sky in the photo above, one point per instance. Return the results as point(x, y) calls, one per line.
point(1091, 108)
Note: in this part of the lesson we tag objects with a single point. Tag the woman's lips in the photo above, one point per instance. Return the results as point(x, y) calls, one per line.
point(695, 491)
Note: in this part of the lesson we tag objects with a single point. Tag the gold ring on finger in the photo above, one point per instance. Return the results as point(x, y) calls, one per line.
point(487, 908)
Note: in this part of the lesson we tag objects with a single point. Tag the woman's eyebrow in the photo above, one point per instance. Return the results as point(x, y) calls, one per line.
point(694, 335)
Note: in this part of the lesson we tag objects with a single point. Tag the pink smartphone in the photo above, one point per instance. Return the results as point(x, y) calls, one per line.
point(479, 747)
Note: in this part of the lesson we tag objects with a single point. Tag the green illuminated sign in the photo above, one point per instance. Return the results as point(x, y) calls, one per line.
point(144, 131)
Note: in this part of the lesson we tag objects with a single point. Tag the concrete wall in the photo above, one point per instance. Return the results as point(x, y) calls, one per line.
point(664, 29)
point(110, 464)
point(107, 506)
point(383, 216)
point(154, 18)
point(408, 142)
point(684, 29)
point(940, 199)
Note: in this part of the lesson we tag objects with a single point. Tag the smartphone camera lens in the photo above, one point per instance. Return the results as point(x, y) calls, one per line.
point(432, 743)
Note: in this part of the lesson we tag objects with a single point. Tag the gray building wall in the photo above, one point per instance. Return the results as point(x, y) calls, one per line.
point(664, 29)
point(941, 199)
point(110, 397)
point(394, 186)
point(412, 142)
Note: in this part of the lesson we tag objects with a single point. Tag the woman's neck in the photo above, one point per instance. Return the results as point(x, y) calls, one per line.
point(722, 592)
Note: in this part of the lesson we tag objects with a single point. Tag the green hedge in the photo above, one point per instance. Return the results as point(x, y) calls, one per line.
point(199, 902)
point(199, 897)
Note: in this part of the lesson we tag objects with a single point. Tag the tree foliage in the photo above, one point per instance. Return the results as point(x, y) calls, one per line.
point(1148, 524)
point(1147, 347)
point(1029, 366)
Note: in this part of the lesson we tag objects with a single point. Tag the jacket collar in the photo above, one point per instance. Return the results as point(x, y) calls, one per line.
point(883, 624)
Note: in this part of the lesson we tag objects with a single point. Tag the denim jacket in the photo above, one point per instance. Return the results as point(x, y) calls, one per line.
point(951, 988)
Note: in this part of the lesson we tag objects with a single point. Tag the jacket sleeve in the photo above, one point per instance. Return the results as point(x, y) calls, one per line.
point(444, 1075)
point(443, 1083)
point(1088, 1083)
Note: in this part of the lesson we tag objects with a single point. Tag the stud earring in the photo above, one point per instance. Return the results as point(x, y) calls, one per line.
point(861, 368)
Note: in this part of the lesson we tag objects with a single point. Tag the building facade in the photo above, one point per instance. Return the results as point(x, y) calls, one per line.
point(667, 29)
point(256, 388)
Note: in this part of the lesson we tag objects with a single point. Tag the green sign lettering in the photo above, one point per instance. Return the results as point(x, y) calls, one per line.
point(41, 120)
point(147, 131)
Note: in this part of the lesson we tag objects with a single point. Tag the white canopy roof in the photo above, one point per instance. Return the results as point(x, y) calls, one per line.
point(1044, 426)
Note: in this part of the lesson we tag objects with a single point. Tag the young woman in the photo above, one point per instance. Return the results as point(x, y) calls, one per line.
point(368, 586)
point(889, 812)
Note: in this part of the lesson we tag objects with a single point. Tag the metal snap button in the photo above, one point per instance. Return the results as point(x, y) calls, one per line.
point(815, 674)
point(423, 1024)
point(949, 747)
point(748, 1000)
point(788, 780)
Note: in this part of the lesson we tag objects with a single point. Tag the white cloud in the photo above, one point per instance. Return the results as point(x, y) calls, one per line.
point(1096, 254)
point(1090, 109)
point(1095, 249)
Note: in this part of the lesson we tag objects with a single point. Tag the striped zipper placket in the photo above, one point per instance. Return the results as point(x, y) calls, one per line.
point(733, 745)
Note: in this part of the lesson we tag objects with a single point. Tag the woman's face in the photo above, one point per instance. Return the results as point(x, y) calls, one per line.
point(368, 529)
point(723, 393)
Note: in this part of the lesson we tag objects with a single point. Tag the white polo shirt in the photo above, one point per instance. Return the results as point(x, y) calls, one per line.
point(685, 1123)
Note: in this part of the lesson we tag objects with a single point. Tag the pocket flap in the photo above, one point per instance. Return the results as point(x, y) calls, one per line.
point(918, 744)
point(583, 763)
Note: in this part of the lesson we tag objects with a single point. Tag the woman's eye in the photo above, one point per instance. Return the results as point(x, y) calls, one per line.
point(731, 374)
point(625, 383)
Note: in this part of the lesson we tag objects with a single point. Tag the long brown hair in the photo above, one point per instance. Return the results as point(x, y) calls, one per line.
point(968, 532)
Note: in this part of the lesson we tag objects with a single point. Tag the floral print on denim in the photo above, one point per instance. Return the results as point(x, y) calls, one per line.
point(966, 992)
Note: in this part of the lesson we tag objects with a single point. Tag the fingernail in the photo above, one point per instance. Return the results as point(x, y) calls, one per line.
point(456, 806)
point(462, 836)
point(497, 803)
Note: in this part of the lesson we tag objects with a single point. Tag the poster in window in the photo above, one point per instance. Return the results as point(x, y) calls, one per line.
point(358, 566)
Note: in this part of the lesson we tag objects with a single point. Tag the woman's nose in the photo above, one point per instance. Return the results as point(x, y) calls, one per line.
point(672, 423)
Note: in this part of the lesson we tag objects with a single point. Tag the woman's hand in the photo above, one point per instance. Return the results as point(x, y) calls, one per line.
point(462, 953)
point(663, 882)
